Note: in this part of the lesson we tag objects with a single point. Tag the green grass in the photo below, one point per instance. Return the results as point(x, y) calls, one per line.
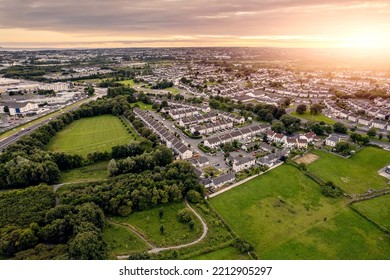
point(142, 105)
point(345, 236)
point(88, 135)
point(285, 216)
point(121, 240)
point(377, 209)
point(228, 253)
point(317, 118)
point(173, 90)
point(356, 174)
point(96, 171)
point(129, 83)
point(148, 222)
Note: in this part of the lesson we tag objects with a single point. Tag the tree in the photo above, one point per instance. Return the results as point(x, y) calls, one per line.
point(184, 216)
point(301, 108)
point(380, 136)
point(388, 136)
point(371, 132)
point(112, 168)
point(161, 212)
point(89, 90)
point(315, 109)
point(344, 148)
point(331, 190)
point(162, 229)
point(87, 246)
point(340, 127)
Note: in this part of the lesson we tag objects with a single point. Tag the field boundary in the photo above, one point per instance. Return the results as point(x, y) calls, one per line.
point(364, 216)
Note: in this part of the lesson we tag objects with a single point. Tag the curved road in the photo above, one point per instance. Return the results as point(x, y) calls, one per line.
point(157, 249)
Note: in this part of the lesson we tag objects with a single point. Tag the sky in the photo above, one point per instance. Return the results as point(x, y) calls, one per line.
point(193, 23)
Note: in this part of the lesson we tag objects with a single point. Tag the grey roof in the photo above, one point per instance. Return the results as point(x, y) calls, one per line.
point(224, 178)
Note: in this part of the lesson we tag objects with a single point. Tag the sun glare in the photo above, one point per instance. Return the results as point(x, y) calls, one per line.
point(368, 41)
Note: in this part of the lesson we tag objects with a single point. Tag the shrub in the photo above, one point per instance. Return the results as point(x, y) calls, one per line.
point(331, 190)
point(194, 197)
point(184, 216)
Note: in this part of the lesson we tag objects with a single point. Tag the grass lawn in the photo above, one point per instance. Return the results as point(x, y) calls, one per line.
point(88, 135)
point(121, 240)
point(378, 209)
point(148, 222)
point(173, 90)
point(356, 174)
point(229, 253)
point(317, 118)
point(96, 171)
point(142, 105)
point(129, 83)
point(285, 216)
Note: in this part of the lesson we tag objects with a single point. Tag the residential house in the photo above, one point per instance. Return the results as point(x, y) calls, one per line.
point(224, 179)
point(241, 163)
point(332, 140)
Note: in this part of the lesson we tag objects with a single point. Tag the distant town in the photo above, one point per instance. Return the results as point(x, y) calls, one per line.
point(202, 121)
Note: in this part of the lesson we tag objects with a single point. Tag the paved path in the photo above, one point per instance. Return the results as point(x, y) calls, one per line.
point(155, 249)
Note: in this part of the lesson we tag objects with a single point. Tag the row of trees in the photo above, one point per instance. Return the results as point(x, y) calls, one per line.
point(263, 112)
point(124, 194)
point(161, 156)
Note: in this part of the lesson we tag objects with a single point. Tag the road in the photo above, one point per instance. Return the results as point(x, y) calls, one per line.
point(215, 160)
point(15, 137)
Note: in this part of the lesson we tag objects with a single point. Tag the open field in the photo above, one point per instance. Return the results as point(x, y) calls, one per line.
point(88, 135)
point(173, 90)
point(148, 223)
point(317, 118)
point(121, 240)
point(142, 105)
point(129, 83)
point(228, 253)
point(285, 216)
point(356, 174)
point(377, 209)
point(306, 159)
point(96, 171)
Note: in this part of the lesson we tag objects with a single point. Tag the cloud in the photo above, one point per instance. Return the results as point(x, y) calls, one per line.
point(168, 18)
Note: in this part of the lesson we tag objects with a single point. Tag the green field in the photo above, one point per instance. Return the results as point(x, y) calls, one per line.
point(317, 118)
point(88, 135)
point(142, 105)
point(129, 83)
point(377, 209)
point(92, 172)
point(173, 90)
point(285, 216)
point(122, 241)
point(356, 174)
point(229, 253)
point(148, 222)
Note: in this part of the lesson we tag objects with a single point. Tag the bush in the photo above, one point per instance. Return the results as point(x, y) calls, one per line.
point(194, 196)
point(184, 216)
point(243, 246)
point(331, 190)
point(139, 256)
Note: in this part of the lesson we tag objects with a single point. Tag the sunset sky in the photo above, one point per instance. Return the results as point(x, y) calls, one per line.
point(175, 23)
